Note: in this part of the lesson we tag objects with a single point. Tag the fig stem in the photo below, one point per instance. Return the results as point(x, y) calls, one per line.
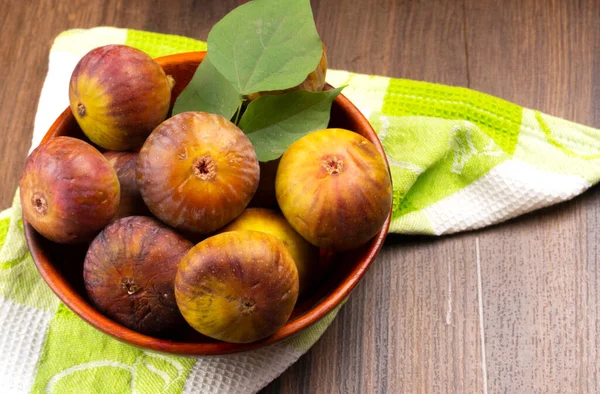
point(237, 114)
point(333, 165)
point(81, 111)
point(204, 168)
point(40, 204)
point(247, 306)
point(171, 82)
point(129, 285)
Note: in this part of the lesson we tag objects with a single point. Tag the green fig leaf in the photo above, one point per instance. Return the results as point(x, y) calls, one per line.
point(208, 91)
point(274, 122)
point(266, 45)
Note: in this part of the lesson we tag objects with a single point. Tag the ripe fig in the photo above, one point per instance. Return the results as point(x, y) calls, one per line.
point(118, 95)
point(69, 191)
point(197, 171)
point(334, 188)
point(129, 273)
point(131, 203)
point(314, 82)
point(238, 286)
point(305, 255)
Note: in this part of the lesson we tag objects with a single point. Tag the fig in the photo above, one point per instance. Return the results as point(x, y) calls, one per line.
point(197, 171)
point(68, 190)
point(118, 95)
point(131, 203)
point(334, 188)
point(265, 193)
point(305, 255)
point(238, 286)
point(129, 274)
point(314, 82)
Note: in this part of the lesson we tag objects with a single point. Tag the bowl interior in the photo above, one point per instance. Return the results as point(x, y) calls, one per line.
point(61, 266)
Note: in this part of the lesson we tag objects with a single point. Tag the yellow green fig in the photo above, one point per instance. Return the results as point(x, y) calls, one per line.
point(334, 188)
point(118, 95)
point(305, 255)
point(237, 286)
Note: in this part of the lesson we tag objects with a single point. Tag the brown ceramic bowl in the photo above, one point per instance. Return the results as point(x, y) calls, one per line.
point(61, 266)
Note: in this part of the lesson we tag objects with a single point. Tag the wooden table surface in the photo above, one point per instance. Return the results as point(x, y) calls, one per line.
point(509, 309)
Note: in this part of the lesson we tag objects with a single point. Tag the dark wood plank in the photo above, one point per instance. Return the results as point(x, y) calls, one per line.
point(539, 273)
point(410, 327)
point(538, 54)
point(402, 39)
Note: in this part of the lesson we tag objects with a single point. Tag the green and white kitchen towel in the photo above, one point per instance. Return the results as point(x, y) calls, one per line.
point(459, 159)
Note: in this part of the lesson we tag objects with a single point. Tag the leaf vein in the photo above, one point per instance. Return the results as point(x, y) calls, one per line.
point(259, 58)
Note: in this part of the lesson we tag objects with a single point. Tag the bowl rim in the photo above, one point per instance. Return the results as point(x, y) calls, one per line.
point(88, 313)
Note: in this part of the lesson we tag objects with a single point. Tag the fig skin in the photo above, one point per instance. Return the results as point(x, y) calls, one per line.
point(118, 95)
point(238, 286)
point(68, 190)
point(334, 188)
point(197, 172)
point(305, 255)
point(314, 82)
point(129, 273)
point(131, 202)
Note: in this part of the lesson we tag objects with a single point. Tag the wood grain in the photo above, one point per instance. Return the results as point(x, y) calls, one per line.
point(539, 272)
point(430, 316)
